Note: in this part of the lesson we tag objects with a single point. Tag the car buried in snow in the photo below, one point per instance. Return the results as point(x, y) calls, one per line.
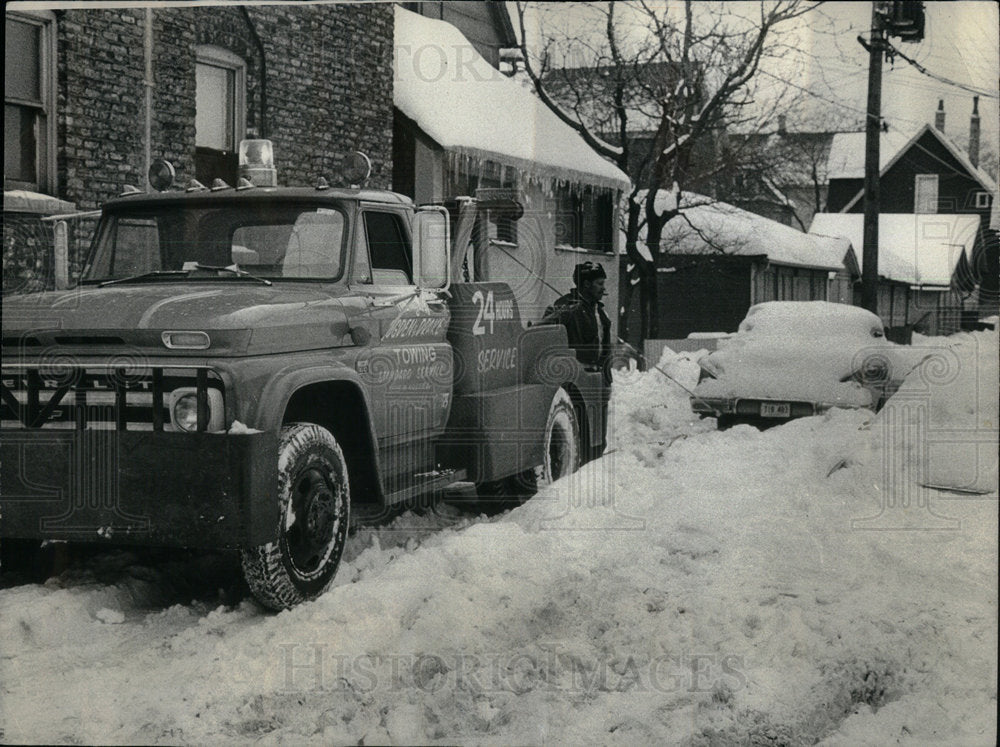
point(793, 359)
point(254, 367)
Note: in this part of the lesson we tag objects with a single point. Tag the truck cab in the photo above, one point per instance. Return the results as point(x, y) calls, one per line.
point(257, 367)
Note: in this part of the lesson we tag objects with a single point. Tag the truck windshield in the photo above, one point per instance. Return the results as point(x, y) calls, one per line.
point(266, 240)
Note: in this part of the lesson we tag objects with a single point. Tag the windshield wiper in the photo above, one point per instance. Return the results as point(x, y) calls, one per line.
point(235, 270)
point(142, 276)
point(186, 271)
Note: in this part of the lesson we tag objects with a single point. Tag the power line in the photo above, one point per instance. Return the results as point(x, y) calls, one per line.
point(849, 107)
point(941, 78)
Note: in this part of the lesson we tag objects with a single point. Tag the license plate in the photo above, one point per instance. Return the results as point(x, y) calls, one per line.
point(775, 409)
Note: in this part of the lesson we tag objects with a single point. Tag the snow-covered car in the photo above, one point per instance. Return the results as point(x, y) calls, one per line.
point(792, 359)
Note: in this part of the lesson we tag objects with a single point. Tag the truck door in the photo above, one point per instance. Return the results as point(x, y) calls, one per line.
point(410, 369)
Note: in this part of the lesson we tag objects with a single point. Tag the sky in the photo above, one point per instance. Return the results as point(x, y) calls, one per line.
point(960, 44)
point(828, 67)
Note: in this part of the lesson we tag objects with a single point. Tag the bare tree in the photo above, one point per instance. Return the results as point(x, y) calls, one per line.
point(789, 162)
point(652, 86)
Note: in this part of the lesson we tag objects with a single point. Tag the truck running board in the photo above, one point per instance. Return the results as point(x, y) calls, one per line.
point(421, 483)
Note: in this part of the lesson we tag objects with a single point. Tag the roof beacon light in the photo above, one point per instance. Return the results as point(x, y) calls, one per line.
point(161, 175)
point(257, 163)
point(357, 168)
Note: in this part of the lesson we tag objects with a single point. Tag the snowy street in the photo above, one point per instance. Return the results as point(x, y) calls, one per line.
point(693, 586)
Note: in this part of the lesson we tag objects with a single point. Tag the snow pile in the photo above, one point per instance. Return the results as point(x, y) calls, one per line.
point(649, 412)
point(801, 351)
point(467, 106)
point(951, 400)
point(716, 588)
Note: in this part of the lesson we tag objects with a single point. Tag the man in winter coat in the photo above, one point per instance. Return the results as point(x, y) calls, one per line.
point(588, 329)
point(581, 312)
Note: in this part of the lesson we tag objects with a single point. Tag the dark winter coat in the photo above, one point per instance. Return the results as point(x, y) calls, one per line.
point(587, 325)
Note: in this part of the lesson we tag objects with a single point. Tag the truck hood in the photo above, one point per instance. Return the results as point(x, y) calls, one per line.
point(274, 318)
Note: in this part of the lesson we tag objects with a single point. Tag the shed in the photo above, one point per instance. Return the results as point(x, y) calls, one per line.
point(723, 260)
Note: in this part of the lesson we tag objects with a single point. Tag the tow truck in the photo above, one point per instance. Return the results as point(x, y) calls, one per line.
point(259, 367)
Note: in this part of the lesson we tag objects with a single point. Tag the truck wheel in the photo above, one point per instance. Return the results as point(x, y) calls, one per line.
point(561, 441)
point(315, 502)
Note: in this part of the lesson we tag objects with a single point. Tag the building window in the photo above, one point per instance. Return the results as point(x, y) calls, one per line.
point(29, 102)
point(584, 219)
point(220, 113)
point(925, 193)
point(982, 200)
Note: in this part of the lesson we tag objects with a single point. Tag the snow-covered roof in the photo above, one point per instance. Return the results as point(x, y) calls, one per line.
point(918, 249)
point(847, 154)
point(24, 201)
point(710, 227)
point(467, 106)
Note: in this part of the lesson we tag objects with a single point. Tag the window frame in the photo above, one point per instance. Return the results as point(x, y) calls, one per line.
point(982, 200)
point(211, 55)
point(363, 244)
point(45, 131)
point(919, 179)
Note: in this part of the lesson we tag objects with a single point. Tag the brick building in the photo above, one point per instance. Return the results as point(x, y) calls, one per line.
point(93, 96)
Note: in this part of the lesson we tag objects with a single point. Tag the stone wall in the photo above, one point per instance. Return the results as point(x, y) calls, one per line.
point(99, 104)
point(327, 82)
point(318, 83)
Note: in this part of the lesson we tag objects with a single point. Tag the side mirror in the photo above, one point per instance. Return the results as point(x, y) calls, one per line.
point(431, 248)
point(61, 255)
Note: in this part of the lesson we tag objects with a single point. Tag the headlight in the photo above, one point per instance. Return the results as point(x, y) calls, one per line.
point(184, 409)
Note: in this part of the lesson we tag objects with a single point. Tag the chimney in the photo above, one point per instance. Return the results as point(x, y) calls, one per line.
point(974, 133)
point(939, 116)
point(781, 125)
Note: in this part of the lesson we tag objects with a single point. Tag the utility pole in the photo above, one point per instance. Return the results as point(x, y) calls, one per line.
point(873, 128)
point(903, 19)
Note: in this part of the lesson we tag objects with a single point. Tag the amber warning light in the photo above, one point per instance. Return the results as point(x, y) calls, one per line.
point(257, 163)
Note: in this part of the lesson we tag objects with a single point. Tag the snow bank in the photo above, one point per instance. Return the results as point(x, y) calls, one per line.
point(691, 586)
point(951, 398)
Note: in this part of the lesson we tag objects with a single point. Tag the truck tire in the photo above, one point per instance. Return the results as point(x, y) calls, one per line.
point(562, 457)
point(314, 496)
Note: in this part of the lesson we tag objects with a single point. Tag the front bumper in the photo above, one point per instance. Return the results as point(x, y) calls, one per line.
point(199, 490)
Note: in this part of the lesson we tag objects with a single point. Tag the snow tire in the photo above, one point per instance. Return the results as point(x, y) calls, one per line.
point(314, 509)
